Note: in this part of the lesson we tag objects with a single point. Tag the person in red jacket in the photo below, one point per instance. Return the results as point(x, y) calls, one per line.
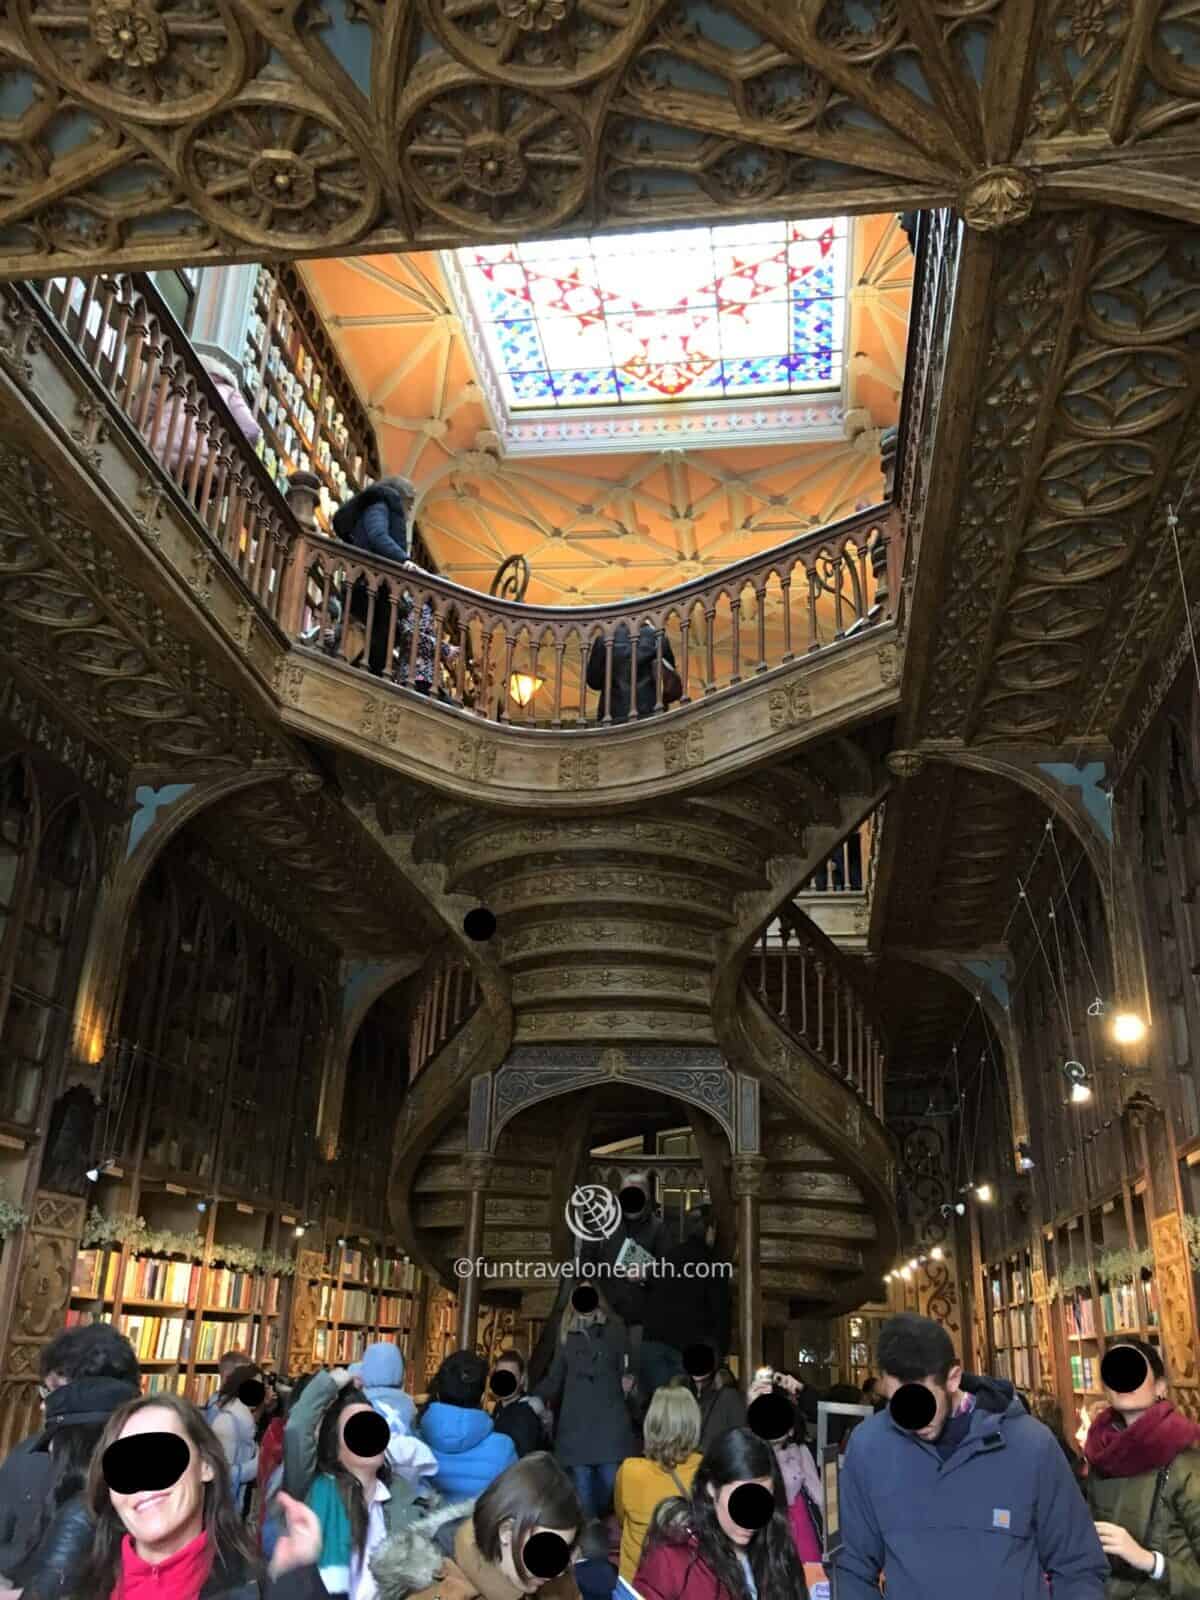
point(731, 1539)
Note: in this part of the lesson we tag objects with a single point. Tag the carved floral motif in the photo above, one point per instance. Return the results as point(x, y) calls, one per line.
point(130, 34)
point(1001, 197)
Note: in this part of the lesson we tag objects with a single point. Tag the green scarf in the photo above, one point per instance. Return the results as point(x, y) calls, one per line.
point(325, 1499)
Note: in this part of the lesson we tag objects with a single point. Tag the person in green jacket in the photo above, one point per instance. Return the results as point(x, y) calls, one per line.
point(1143, 1481)
point(335, 1461)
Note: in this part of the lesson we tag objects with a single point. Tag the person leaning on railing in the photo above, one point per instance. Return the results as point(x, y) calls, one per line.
point(177, 445)
point(378, 521)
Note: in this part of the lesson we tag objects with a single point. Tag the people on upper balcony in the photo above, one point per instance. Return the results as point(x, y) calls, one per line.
point(378, 519)
point(646, 690)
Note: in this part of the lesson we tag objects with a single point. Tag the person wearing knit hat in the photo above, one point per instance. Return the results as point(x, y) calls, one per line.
point(75, 1416)
point(470, 1453)
point(381, 1372)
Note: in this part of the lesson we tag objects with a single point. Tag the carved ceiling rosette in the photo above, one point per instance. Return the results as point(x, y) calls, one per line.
point(491, 159)
point(152, 60)
point(275, 172)
point(537, 43)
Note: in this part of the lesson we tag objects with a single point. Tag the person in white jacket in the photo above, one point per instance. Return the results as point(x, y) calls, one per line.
point(381, 1373)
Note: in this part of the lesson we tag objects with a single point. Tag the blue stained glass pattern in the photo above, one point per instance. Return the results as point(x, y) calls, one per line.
point(696, 313)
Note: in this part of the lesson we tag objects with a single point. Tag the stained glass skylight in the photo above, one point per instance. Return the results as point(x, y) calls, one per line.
point(726, 313)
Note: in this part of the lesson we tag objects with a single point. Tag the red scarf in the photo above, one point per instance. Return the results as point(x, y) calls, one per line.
point(1147, 1445)
point(179, 1577)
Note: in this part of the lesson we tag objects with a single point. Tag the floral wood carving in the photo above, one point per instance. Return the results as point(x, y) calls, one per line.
point(998, 198)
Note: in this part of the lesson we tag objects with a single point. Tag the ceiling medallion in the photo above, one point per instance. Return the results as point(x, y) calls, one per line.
point(493, 165)
point(283, 180)
point(130, 34)
point(538, 16)
point(998, 198)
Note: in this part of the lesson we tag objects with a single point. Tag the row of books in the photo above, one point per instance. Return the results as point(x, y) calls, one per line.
point(1083, 1374)
point(359, 1267)
point(1013, 1328)
point(1081, 1319)
point(1119, 1309)
point(341, 1347)
point(164, 1382)
point(171, 1282)
point(1018, 1292)
point(158, 1338)
point(1018, 1366)
point(216, 1337)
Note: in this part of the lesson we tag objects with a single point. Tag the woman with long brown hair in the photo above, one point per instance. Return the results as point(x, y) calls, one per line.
point(166, 1527)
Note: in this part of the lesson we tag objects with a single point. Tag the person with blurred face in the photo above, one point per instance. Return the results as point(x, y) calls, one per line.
point(166, 1529)
point(1143, 1484)
point(955, 1489)
point(729, 1539)
point(517, 1539)
point(240, 1401)
point(336, 1459)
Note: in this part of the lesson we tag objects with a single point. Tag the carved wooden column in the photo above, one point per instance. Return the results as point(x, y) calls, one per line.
point(302, 1316)
point(749, 1173)
point(478, 1168)
point(43, 1293)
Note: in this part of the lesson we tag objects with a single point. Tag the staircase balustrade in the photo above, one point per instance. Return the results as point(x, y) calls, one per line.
point(449, 996)
point(504, 660)
point(809, 989)
point(528, 665)
point(125, 333)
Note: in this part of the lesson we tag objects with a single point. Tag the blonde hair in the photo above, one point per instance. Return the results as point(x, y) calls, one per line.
point(672, 1428)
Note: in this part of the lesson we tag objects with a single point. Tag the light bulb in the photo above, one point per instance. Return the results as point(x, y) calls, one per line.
point(961, 1209)
point(906, 1273)
point(1128, 1028)
point(937, 1253)
point(299, 1230)
point(913, 1264)
point(201, 1205)
point(1081, 1093)
point(983, 1193)
point(92, 1174)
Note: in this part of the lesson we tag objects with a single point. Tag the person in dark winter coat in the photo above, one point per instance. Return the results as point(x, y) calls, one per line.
point(683, 1307)
point(27, 1474)
point(590, 1380)
point(182, 1539)
point(646, 692)
point(75, 1418)
point(730, 1540)
point(642, 1224)
point(956, 1490)
point(377, 519)
point(1143, 1482)
point(721, 1404)
point(519, 1415)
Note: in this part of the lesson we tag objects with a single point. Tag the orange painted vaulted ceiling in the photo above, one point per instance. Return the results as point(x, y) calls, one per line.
point(596, 525)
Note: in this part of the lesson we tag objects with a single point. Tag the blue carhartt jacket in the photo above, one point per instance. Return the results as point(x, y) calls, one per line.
point(470, 1453)
point(990, 1523)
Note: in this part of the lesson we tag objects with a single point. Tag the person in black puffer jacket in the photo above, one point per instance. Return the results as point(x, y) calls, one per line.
point(75, 1418)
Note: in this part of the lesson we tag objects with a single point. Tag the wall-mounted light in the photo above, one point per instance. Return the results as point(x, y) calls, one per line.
point(1128, 1028)
point(983, 1193)
point(906, 1273)
point(1025, 1161)
point(1077, 1079)
point(522, 687)
point(937, 1253)
point(201, 1206)
point(92, 1174)
point(298, 1230)
point(913, 1264)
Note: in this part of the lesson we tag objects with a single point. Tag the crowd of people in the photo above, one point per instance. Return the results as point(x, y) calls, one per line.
point(693, 1489)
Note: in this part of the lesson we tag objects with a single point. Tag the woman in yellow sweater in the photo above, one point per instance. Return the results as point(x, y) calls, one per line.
point(670, 1434)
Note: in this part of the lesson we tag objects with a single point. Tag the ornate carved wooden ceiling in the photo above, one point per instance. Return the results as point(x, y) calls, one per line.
point(143, 131)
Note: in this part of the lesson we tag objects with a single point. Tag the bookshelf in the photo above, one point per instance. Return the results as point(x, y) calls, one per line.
point(180, 1304)
point(1107, 1286)
point(367, 1291)
point(441, 1331)
point(1008, 1294)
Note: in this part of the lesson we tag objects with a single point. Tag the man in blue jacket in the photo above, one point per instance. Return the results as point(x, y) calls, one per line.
point(955, 1490)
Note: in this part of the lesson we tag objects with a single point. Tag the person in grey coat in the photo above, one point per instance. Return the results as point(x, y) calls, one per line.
point(589, 1381)
point(956, 1490)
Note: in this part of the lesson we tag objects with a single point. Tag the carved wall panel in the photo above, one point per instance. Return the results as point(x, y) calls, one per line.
point(925, 1183)
point(43, 1292)
point(1173, 1276)
point(305, 1306)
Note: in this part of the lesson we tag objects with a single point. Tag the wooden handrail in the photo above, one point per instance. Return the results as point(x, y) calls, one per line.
point(449, 996)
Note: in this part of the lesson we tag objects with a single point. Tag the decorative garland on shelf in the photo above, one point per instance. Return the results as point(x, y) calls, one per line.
point(11, 1217)
point(1073, 1277)
point(136, 1235)
point(1124, 1266)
